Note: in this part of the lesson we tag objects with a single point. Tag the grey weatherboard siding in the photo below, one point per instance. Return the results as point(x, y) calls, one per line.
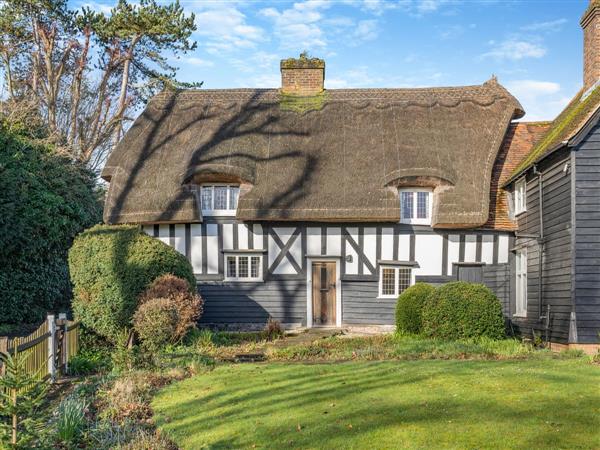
point(556, 274)
point(586, 259)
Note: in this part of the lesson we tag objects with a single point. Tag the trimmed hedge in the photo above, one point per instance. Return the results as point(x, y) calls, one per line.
point(410, 307)
point(110, 267)
point(462, 310)
point(45, 201)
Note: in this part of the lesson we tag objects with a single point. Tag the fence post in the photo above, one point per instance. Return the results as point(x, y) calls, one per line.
point(51, 347)
point(62, 319)
point(3, 349)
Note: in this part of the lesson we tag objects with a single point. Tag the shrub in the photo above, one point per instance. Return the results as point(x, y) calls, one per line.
point(84, 364)
point(110, 266)
point(410, 307)
point(462, 310)
point(273, 330)
point(186, 302)
point(155, 322)
point(46, 200)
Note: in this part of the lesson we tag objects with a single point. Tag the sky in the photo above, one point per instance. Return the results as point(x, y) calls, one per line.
point(534, 47)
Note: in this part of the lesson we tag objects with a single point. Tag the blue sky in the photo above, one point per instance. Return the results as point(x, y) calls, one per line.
point(534, 47)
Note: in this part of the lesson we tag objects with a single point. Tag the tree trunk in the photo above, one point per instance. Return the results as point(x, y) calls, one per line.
point(76, 94)
point(122, 100)
point(9, 80)
point(14, 418)
point(122, 103)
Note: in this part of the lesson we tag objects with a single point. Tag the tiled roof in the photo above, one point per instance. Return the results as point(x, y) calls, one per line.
point(520, 138)
point(568, 123)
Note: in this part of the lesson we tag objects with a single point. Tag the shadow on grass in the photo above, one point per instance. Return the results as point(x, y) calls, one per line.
point(447, 403)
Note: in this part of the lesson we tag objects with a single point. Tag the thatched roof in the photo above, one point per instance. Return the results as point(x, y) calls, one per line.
point(334, 157)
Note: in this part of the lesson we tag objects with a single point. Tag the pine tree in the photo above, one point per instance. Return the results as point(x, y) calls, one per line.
point(22, 395)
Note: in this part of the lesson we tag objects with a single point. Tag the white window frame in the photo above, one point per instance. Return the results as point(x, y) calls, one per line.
point(396, 269)
point(218, 212)
point(520, 196)
point(521, 283)
point(414, 220)
point(237, 256)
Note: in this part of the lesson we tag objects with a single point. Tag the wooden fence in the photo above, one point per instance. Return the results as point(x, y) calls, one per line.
point(48, 349)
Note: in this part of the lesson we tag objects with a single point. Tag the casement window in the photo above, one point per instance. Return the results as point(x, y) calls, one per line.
point(520, 196)
point(243, 267)
point(415, 206)
point(219, 199)
point(521, 288)
point(393, 280)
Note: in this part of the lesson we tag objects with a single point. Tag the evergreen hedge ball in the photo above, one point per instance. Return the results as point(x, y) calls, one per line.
point(410, 306)
point(461, 310)
point(110, 267)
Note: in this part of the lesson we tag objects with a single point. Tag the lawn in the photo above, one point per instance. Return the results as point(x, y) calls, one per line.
point(535, 403)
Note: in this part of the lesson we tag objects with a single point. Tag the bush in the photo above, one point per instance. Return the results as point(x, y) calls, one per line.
point(273, 330)
point(110, 266)
point(462, 310)
point(155, 322)
point(410, 307)
point(186, 302)
point(46, 200)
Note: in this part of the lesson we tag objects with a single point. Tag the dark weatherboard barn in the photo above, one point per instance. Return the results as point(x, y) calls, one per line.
point(318, 207)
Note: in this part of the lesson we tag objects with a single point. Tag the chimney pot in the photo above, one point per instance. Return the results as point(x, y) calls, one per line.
point(303, 76)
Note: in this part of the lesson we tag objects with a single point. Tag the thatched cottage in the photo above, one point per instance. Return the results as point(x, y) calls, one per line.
point(318, 207)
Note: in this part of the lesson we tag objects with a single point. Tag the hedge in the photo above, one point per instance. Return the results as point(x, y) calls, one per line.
point(110, 266)
point(45, 200)
point(462, 310)
point(410, 306)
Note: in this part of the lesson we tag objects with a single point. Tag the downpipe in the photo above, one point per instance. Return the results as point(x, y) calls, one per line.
point(541, 242)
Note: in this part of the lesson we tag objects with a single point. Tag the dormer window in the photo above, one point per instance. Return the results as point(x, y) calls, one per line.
point(219, 199)
point(415, 206)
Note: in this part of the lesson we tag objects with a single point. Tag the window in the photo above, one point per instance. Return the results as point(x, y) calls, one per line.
point(243, 268)
point(394, 280)
point(219, 199)
point(415, 206)
point(520, 196)
point(521, 294)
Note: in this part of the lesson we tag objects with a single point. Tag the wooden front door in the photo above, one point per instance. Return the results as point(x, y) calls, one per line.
point(323, 293)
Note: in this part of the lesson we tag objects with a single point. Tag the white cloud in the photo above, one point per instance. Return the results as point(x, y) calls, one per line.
point(532, 88)
point(260, 81)
point(515, 49)
point(542, 100)
point(452, 32)
point(198, 62)
point(257, 62)
point(223, 27)
point(299, 27)
point(549, 26)
point(366, 30)
point(98, 7)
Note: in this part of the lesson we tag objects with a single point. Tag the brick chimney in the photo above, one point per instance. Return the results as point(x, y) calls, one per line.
point(303, 76)
point(590, 22)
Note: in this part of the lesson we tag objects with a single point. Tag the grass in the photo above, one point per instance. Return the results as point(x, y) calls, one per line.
point(223, 346)
point(533, 403)
point(391, 346)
